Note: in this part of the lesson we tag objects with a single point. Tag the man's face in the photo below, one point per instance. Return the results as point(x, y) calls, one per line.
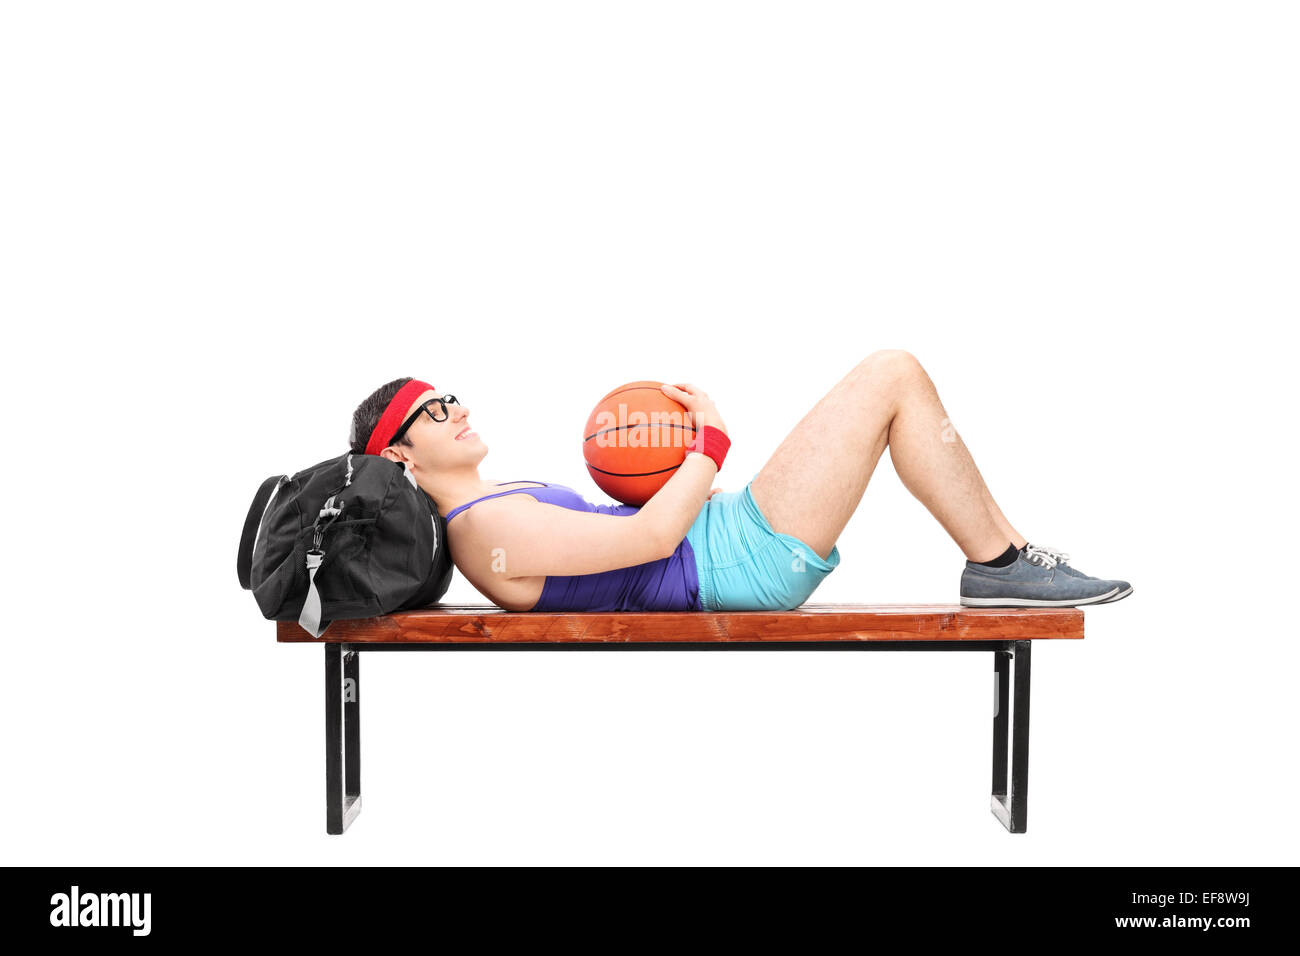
point(438, 445)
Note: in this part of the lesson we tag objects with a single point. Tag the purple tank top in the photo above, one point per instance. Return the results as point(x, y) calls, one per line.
point(669, 584)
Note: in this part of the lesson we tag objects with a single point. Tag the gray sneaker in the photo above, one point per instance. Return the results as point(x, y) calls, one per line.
point(1031, 581)
point(1061, 559)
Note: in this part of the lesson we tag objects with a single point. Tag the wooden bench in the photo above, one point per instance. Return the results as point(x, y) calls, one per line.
point(1007, 632)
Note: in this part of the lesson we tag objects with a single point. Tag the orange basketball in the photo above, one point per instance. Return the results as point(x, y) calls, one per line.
point(635, 440)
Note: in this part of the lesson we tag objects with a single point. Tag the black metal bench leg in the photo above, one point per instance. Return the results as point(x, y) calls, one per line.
point(1001, 722)
point(352, 729)
point(342, 737)
point(1010, 801)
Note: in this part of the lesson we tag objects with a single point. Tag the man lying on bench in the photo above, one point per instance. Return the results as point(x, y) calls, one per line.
point(767, 547)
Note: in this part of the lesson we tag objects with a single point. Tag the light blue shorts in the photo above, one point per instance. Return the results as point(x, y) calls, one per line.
point(744, 565)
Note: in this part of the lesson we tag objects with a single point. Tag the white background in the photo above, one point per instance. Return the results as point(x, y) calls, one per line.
point(224, 224)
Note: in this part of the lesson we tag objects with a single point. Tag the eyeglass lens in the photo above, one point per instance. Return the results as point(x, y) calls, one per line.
point(438, 407)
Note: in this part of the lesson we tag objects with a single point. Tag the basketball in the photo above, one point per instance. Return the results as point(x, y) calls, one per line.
point(635, 440)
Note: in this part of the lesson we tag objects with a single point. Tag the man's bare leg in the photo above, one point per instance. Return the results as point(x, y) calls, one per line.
point(813, 482)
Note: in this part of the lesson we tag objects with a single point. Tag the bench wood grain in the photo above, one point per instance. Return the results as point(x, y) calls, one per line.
point(486, 624)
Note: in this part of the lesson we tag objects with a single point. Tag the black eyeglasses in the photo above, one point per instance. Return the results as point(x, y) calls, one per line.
point(426, 408)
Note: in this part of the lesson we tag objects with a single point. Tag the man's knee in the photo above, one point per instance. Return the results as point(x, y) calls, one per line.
point(891, 362)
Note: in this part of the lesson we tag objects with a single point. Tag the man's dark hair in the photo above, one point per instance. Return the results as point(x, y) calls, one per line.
point(368, 413)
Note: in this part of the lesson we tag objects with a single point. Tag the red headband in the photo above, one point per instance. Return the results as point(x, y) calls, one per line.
point(394, 414)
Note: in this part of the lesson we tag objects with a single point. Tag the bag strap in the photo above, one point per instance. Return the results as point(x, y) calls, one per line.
point(309, 619)
point(251, 524)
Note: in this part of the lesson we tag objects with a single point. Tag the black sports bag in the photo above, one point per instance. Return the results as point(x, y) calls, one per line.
point(352, 537)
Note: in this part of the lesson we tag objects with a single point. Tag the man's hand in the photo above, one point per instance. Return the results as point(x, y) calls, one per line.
point(698, 405)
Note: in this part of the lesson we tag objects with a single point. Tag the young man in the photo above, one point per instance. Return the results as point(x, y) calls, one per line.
point(766, 547)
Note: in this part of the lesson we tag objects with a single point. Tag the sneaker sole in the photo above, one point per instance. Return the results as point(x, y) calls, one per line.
point(1117, 597)
point(1111, 595)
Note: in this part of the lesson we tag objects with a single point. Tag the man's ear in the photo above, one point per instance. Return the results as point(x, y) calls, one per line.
point(392, 454)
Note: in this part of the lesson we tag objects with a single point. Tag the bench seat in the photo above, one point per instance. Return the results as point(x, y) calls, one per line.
point(486, 623)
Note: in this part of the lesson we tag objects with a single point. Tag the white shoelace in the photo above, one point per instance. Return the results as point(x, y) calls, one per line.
point(1048, 557)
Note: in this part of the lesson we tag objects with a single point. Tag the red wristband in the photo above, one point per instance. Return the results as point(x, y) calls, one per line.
point(712, 442)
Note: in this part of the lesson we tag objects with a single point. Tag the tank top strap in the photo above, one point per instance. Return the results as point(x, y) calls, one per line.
point(511, 491)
